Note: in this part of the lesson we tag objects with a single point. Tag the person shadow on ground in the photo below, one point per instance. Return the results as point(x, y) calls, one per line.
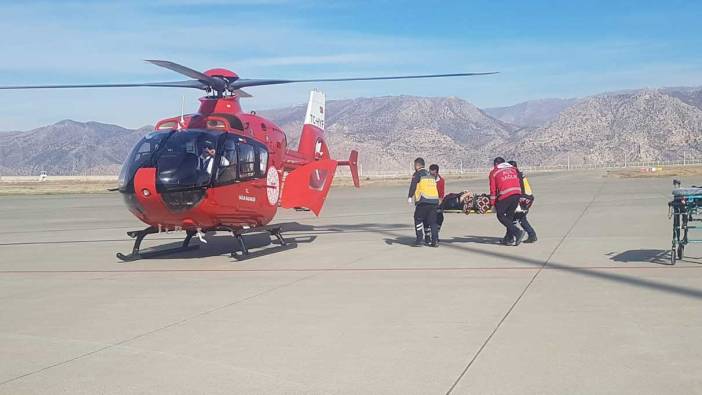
point(409, 240)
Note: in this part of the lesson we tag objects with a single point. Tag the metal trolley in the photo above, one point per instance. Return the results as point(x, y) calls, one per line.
point(684, 209)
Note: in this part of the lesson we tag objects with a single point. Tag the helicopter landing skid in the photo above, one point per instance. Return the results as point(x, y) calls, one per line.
point(244, 253)
point(138, 236)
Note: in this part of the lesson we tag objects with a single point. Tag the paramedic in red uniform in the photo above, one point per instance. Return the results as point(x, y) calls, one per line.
point(441, 188)
point(505, 191)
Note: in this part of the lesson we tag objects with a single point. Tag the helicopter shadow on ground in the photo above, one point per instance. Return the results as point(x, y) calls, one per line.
point(368, 227)
point(659, 257)
point(262, 243)
point(259, 244)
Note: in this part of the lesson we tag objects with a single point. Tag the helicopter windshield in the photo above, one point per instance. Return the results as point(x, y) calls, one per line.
point(141, 156)
point(193, 159)
point(186, 160)
point(183, 160)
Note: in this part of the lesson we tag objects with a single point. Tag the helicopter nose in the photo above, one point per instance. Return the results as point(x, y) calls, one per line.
point(145, 191)
point(165, 207)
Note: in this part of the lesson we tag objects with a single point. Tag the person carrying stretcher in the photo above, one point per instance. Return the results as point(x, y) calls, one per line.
point(441, 189)
point(525, 202)
point(425, 195)
point(505, 192)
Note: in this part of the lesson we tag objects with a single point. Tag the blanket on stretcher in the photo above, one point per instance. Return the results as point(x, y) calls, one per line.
point(468, 203)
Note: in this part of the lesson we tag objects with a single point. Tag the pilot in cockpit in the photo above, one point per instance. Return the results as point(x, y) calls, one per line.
point(207, 158)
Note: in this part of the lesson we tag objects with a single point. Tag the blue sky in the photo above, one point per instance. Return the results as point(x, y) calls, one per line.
point(541, 49)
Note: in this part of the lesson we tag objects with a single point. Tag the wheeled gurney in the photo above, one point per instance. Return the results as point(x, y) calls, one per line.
point(684, 209)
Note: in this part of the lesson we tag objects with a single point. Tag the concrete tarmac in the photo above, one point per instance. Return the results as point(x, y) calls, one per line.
point(592, 307)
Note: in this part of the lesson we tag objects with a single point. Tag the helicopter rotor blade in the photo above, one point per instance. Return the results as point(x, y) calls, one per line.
point(216, 83)
point(173, 84)
point(242, 93)
point(242, 83)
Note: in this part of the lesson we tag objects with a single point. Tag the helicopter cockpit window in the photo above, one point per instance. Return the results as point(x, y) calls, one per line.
point(228, 162)
point(187, 160)
point(247, 161)
point(240, 160)
point(262, 161)
point(145, 149)
point(208, 153)
point(168, 125)
point(141, 156)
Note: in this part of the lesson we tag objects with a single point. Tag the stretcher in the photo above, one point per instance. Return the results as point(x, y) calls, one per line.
point(684, 210)
point(469, 203)
point(466, 203)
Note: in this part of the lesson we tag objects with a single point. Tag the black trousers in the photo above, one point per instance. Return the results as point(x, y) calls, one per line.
point(505, 209)
point(521, 220)
point(425, 214)
point(439, 222)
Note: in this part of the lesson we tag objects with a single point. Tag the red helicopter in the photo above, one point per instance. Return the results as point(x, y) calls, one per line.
point(223, 169)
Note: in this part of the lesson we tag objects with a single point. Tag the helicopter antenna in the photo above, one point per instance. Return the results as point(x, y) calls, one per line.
point(181, 123)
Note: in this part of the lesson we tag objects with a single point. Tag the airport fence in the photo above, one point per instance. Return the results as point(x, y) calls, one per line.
point(644, 166)
point(391, 174)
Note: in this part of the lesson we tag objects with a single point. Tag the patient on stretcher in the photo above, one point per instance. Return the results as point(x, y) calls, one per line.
point(467, 203)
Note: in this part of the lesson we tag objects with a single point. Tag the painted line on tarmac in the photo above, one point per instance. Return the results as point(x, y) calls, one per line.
point(53, 230)
point(173, 324)
point(366, 269)
point(170, 325)
point(526, 288)
point(29, 243)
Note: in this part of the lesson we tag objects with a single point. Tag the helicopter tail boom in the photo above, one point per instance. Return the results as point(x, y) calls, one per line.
point(312, 144)
point(311, 168)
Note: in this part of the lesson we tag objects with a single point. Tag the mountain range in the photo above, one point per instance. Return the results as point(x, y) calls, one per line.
point(533, 113)
point(67, 148)
point(645, 124)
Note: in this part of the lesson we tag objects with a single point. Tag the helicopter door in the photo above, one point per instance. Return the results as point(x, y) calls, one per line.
point(243, 163)
point(227, 169)
point(308, 185)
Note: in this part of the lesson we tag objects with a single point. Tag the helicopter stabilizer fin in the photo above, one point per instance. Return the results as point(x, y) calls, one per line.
point(352, 163)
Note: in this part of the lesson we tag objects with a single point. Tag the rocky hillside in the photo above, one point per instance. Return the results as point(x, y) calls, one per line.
point(533, 113)
point(67, 148)
point(646, 125)
point(390, 132)
point(691, 96)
